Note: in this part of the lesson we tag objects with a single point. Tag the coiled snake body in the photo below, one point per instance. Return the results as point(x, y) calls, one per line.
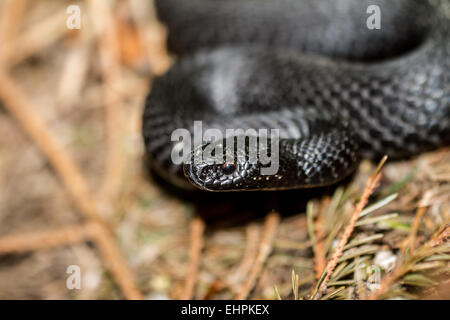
point(336, 89)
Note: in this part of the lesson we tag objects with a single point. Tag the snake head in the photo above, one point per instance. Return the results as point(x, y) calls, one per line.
point(224, 166)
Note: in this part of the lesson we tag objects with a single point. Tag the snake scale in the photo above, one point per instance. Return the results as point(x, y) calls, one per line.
point(337, 90)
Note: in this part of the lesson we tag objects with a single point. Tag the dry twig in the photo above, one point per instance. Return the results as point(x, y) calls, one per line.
point(320, 254)
point(404, 265)
point(444, 235)
point(153, 34)
point(249, 257)
point(74, 73)
point(421, 210)
point(35, 39)
point(11, 16)
point(371, 184)
point(19, 106)
point(114, 261)
point(45, 239)
point(110, 69)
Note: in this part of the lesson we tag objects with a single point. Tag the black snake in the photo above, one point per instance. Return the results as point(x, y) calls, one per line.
point(337, 89)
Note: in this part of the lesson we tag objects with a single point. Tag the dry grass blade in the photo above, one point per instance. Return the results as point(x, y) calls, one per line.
point(277, 293)
point(333, 294)
point(295, 284)
point(196, 245)
point(251, 248)
point(265, 247)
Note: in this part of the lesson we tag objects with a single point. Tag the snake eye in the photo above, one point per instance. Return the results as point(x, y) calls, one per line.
point(228, 168)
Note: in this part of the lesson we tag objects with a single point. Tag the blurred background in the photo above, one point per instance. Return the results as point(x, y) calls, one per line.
point(75, 191)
